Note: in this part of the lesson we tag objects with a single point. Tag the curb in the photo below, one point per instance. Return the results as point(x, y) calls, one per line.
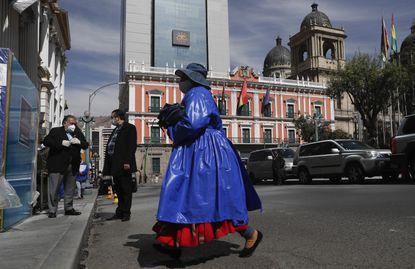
point(66, 254)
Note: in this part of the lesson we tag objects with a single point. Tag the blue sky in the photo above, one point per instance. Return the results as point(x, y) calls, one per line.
point(95, 33)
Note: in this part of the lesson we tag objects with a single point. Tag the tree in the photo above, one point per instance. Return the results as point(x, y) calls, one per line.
point(336, 134)
point(369, 85)
point(306, 129)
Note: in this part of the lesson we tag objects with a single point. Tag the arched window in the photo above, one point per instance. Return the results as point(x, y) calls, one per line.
point(303, 54)
point(328, 50)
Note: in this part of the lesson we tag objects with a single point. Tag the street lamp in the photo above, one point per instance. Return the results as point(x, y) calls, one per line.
point(87, 118)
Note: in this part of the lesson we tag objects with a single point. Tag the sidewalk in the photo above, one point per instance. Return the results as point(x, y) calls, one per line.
point(40, 242)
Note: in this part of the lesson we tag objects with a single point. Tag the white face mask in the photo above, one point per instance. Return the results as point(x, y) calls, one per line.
point(114, 122)
point(71, 128)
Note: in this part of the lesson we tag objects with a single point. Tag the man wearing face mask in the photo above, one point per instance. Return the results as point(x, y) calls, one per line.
point(120, 162)
point(63, 162)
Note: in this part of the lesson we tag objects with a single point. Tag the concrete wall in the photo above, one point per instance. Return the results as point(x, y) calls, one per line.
point(136, 32)
point(19, 33)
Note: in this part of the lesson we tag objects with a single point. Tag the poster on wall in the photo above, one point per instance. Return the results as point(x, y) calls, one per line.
point(25, 123)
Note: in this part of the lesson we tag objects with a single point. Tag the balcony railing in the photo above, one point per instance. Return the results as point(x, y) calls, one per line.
point(154, 140)
point(154, 109)
point(245, 113)
point(274, 141)
point(237, 140)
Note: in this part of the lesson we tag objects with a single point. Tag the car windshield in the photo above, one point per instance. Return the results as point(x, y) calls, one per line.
point(286, 153)
point(353, 144)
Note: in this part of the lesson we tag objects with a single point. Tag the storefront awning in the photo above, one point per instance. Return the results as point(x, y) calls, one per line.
point(21, 5)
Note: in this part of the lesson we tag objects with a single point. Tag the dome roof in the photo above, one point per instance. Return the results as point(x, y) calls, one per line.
point(315, 17)
point(408, 46)
point(279, 55)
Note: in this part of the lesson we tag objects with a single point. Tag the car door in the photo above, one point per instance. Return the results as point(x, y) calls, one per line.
point(262, 164)
point(313, 160)
point(329, 161)
point(267, 165)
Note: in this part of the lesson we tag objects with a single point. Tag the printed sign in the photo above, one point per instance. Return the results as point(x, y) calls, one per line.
point(181, 38)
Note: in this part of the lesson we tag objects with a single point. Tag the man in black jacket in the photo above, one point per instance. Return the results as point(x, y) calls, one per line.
point(120, 162)
point(65, 144)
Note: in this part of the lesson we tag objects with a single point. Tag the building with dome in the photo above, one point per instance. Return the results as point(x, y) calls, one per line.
point(407, 59)
point(407, 54)
point(318, 49)
point(277, 63)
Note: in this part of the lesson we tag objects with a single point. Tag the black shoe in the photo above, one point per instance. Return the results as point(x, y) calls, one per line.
point(125, 218)
point(114, 217)
point(51, 215)
point(175, 253)
point(72, 212)
point(247, 252)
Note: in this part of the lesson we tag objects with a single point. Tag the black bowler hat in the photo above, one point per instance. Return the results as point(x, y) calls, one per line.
point(195, 72)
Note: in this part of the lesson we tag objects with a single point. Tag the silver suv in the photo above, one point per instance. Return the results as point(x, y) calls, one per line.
point(336, 158)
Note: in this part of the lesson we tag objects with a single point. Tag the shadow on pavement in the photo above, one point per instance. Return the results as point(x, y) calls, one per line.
point(149, 257)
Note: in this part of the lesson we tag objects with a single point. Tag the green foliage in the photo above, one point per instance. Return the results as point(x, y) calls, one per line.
point(305, 129)
point(336, 134)
point(369, 84)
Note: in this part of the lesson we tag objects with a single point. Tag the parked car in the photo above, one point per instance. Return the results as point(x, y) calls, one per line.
point(334, 159)
point(272, 163)
point(403, 147)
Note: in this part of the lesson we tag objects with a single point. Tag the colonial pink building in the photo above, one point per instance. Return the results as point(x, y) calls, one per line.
point(150, 88)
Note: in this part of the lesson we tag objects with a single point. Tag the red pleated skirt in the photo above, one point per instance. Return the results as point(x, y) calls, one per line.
point(193, 235)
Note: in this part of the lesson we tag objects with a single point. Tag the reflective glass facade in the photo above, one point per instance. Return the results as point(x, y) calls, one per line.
point(173, 16)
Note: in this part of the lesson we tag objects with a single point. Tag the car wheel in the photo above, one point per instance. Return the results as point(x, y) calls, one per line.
point(336, 180)
point(304, 176)
point(390, 177)
point(355, 173)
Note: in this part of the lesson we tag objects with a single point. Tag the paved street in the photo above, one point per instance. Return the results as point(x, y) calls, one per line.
point(315, 226)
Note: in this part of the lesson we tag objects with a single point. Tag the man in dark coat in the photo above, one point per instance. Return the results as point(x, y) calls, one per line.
point(120, 162)
point(65, 144)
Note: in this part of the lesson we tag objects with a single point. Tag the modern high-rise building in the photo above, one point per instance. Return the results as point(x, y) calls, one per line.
point(158, 33)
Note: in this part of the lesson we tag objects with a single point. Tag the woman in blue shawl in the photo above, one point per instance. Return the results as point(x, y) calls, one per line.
point(206, 192)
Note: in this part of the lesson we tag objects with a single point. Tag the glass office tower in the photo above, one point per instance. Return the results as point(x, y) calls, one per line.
point(179, 32)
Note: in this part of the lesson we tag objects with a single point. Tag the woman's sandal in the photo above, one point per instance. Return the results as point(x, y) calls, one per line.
point(247, 252)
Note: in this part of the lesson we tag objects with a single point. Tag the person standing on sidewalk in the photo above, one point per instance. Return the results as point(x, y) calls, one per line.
point(81, 178)
point(120, 162)
point(65, 144)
